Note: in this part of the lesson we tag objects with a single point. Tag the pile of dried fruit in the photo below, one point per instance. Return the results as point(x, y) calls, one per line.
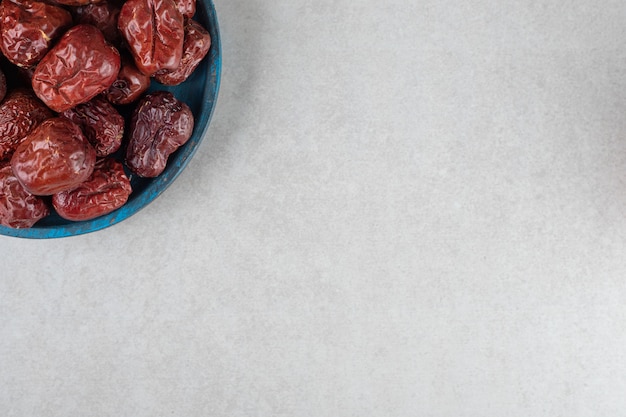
point(71, 66)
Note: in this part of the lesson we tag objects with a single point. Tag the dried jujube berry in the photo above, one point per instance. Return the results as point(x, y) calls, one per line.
point(154, 32)
point(107, 189)
point(79, 67)
point(20, 113)
point(18, 208)
point(54, 157)
point(103, 16)
point(101, 123)
point(130, 83)
point(160, 124)
point(196, 46)
point(28, 29)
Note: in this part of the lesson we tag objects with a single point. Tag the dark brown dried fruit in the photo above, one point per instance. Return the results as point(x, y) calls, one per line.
point(101, 124)
point(129, 85)
point(28, 29)
point(103, 16)
point(18, 208)
point(159, 125)
point(154, 32)
point(107, 189)
point(79, 67)
point(54, 157)
point(20, 113)
point(196, 46)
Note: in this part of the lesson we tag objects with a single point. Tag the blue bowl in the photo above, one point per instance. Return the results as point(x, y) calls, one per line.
point(199, 91)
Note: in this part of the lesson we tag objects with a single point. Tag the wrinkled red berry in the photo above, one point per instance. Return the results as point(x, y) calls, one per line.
point(129, 85)
point(18, 208)
point(28, 29)
point(159, 125)
point(107, 189)
point(102, 125)
point(54, 157)
point(196, 46)
point(79, 67)
point(103, 16)
point(20, 113)
point(154, 32)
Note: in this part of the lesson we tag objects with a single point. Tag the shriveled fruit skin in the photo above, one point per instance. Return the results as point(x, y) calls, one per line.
point(19, 209)
point(20, 113)
point(186, 7)
point(106, 190)
point(130, 83)
point(196, 46)
point(28, 28)
point(102, 15)
point(54, 157)
point(154, 32)
point(78, 68)
point(101, 123)
point(159, 125)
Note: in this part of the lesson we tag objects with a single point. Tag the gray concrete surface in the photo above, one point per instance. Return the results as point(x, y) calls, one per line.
point(401, 208)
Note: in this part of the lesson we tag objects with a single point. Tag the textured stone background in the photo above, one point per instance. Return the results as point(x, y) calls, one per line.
point(401, 208)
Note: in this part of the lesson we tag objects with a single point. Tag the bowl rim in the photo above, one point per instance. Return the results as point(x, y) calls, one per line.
point(158, 185)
